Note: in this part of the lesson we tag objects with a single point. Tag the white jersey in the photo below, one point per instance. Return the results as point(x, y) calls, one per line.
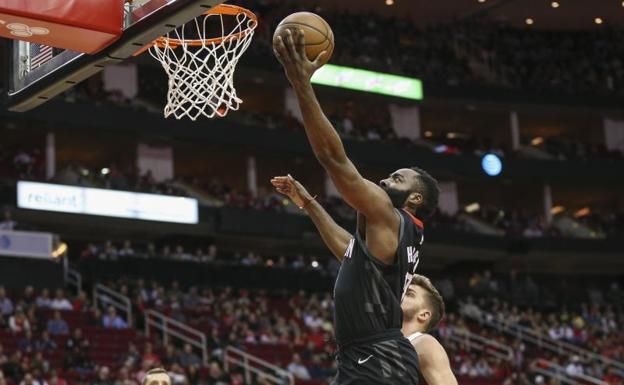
point(412, 337)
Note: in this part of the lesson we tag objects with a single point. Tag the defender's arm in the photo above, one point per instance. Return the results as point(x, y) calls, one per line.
point(335, 237)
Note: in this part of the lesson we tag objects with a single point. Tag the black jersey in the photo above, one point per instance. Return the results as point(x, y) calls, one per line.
point(368, 293)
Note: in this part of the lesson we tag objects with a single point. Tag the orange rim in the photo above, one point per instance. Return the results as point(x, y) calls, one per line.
point(222, 9)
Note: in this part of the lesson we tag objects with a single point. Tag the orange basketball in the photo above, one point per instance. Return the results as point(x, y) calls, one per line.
point(318, 34)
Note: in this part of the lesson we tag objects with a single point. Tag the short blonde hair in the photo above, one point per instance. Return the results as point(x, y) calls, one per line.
point(435, 300)
point(152, 372)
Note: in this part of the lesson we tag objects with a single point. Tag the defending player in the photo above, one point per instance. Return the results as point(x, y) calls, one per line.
point(423, 309)
point(374, 351)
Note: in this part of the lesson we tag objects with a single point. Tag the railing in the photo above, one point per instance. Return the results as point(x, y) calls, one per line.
point(536, 338)
point(550, 369)
point(73, 278)
point(171, 328)
point(254, 365)
point(104, 297)
point(474, 341)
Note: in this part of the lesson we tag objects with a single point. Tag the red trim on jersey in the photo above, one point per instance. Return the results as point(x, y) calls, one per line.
point(416, 221)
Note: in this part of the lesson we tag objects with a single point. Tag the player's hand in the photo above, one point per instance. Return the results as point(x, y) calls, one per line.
point(289, 48)
point(287, 185)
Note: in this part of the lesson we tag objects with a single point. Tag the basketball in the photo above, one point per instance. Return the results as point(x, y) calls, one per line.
point(318, 34)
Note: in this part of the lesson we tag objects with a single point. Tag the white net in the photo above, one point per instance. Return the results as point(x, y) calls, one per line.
point(201, 69)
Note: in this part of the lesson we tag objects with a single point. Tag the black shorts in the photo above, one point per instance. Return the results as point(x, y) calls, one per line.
point(382, 361)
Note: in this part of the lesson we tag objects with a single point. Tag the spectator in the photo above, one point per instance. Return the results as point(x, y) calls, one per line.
point(45, 343)
point(78, 352)
point(126, 250)
point(43, 300)
point(215, 375)
point(7, 223)
point(40, 366)
point(27, 344)
point(30, 380)
point(113, 321)
point(189, 358)
point(55, 379)
point(574, 367)
point(78, 341)
point(28, 298)
point(60, 302)
point(57, 325)
point(6, 305)
point(3, 357)
point(103, 377)
point(18, 323)
point(150, 359)
point(298, 369)
point(132, 357)
point(13, 368)
point(177, 375)
point(317, 371)
point(123, 377)
point(81, 302)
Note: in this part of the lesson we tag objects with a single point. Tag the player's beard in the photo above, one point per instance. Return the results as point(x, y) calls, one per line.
point(397, 197)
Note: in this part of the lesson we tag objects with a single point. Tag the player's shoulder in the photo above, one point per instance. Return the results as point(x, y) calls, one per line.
point(428, 346)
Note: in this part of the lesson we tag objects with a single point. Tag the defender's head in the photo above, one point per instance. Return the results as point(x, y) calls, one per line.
point(157, 376)
point(423, 303)
point(413, 189)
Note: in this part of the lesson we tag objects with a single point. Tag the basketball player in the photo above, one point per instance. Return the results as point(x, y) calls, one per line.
point(372, 349)
point(156, 376)
point(383, 254)
point(423, 309)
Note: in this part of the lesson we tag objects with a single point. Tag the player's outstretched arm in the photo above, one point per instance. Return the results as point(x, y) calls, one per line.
point(335, 237)
point(363, 195)
point(434, 362)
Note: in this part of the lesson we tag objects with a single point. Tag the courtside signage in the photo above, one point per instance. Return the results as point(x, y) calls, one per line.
point(93, 201)
point(369, 81)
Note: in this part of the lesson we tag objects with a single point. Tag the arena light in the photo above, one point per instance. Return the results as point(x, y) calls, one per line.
point(369, 81)
point(60, 250)
point(554, 4)
point(492, 165)
point(598, 20)
point(585, 211)
point(389, 2)
point(529, 21)
point(557, 210)
point(538, 140)
point(472, 208)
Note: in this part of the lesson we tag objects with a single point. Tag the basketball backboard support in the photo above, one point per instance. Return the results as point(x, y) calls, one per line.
point(37, 73)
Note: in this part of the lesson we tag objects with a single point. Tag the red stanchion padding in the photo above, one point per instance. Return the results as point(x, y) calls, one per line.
point(79, 25)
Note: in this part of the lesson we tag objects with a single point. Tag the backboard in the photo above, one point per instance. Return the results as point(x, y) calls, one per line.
point(36, 73)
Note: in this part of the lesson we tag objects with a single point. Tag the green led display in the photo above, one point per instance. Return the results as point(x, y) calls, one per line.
point(368, 81)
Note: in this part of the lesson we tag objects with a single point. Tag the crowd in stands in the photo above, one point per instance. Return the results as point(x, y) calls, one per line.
point(587, 315)
point(294, 331)
point(467, 52)
point(21, 163)
point(251, 320)
point(206, 254)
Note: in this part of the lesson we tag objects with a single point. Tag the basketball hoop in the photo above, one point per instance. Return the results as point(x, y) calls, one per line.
point(201, 68)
